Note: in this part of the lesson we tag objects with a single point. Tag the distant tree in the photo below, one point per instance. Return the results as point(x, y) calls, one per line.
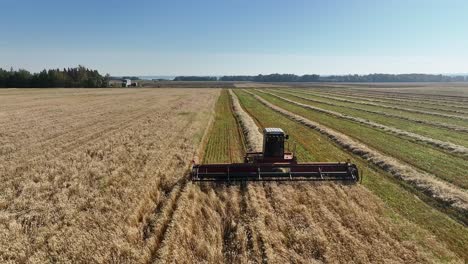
point(71, 77)
point(195, 78)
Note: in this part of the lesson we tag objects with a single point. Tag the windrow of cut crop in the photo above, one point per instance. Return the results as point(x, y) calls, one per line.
point(395, 99)
point(402, 117)
point(252, 135)
point(450, 167)
point(423, 105)
point(397, 95)
point(397, 108)
point(438, 189)
point(428, 117)
point(420, 94)
point(447, 146)
point(325, 222)
point(212, 222)
point(267, 208)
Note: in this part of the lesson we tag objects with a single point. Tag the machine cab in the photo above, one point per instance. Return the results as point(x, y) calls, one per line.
point(273, 143)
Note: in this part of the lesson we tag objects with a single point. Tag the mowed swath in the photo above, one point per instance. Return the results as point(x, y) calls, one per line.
point(312, 146)
point(433, 105)
point(450, 168)
point(383, 115)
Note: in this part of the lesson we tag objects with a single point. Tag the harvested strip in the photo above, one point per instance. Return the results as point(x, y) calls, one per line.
point(397, 108)
point(253, 136)
point(306, 233)
point(453, 148)
point(420, 121)
point(280, 243)
point(386, 99)
point(448, 106)
point(423, 106)
point(422, 95)
point(399, 96)
point(440, 190)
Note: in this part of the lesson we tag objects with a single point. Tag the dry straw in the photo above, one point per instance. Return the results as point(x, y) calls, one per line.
point(249, 127)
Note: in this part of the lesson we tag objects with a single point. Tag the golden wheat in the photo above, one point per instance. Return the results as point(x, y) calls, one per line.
point(100, 176)
point(87, 191)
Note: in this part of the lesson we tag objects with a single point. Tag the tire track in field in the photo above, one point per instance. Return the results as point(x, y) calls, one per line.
point(250, 136)
point(396, 108)
point(162, 226)
point(231, 252)
point(158, 226)
point(436, 188)
point(253, 244)
point(246, 222)
point(164, 209)
point(446, 146)
point(163, 215)
point(420, 121)
point(253, 140)
point(380, 99)
point(130, 122)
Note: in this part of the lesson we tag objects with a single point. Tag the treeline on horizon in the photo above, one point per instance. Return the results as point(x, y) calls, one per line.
point(377, 77)
point(79, 77)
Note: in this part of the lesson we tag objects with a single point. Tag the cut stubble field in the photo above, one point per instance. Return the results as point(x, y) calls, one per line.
point(93, 175)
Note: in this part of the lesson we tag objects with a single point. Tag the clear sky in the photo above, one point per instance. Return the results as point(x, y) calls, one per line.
point(217, 37)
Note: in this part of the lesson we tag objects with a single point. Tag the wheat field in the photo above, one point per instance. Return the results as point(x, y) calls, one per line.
point(101, 176)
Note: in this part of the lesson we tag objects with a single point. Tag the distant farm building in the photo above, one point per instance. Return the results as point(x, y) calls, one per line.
point(126, 83)
point(129, 83)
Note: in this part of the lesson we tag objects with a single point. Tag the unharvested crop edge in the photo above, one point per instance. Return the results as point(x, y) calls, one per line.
point(438, 189)
point(181, 188)
point(447, 146)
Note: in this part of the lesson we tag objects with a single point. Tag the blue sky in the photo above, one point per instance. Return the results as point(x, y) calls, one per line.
point(144, 37)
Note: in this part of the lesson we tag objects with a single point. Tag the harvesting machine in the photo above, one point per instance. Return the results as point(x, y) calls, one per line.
point(275, 164)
